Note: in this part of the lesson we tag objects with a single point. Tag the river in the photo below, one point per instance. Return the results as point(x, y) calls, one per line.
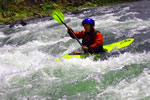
point(29, 71)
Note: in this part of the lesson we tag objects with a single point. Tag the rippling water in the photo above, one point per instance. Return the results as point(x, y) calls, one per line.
point(28, 54)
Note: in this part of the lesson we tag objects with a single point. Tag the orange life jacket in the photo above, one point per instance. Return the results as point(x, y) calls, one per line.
point(93, 40)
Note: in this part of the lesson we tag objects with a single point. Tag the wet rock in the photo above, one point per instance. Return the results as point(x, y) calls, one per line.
point(33, 20)
point(37, 15)
point(2, 26)
point(79, 11)
point(18, 22)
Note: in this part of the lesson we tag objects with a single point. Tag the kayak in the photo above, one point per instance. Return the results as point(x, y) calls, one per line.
point(108, 48)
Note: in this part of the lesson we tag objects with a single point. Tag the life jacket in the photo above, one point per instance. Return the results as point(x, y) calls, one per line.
point(88, 41)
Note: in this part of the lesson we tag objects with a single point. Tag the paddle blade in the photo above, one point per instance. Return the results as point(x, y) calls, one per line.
point(58, 16)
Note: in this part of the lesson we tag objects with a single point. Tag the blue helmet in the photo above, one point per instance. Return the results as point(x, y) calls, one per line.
point(88, 21)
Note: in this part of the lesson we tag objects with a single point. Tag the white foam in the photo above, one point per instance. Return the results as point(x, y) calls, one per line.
point(136, 88)
point(27, 58)
point(2, 35)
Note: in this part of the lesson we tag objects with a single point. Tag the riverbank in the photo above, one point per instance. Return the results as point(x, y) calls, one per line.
point(19, 12)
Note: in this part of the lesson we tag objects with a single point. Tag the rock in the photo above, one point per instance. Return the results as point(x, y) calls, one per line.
point(2, 26)
point(37, 15)
point(18, 22)
point(79, 11)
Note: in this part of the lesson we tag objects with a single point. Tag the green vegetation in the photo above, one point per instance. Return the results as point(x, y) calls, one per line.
point(11, 10)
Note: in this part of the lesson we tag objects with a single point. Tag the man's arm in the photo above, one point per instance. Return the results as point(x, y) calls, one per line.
point(79, 35)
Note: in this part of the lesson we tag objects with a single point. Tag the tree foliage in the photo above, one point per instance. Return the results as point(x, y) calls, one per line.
point(13, 9)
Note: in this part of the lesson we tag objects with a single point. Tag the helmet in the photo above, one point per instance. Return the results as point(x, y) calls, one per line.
point(88, 21)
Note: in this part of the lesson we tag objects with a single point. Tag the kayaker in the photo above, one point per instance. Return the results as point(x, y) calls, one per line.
point(92, 40)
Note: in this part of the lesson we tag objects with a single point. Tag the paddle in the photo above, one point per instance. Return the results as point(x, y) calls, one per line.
point(59, 17)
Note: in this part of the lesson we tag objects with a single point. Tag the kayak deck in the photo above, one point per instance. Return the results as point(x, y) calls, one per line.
point(109, 47)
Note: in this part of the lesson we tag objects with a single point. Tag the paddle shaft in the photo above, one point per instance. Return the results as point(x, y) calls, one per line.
point(86, 52)
point(70, 31)
point(74, 35)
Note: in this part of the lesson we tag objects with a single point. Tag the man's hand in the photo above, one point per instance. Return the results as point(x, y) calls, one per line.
point(85, 48)
point(70, 32)
point(69, 28)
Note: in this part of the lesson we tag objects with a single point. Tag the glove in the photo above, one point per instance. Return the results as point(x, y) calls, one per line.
point(69, 31)
point(85, 48)
point(69, 28)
